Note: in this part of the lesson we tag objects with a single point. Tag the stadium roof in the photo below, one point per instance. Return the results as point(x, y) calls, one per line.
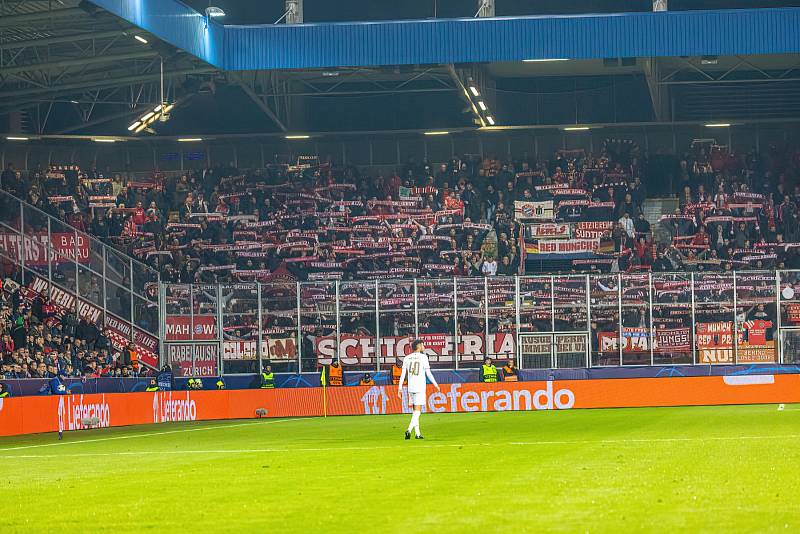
point(72, 67)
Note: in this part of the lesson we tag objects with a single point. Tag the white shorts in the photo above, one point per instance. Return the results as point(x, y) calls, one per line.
point(417, 399)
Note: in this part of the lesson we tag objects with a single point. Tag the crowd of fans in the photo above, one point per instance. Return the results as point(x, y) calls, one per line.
point(34, 343)
point(457, 218)
point(735, 213)
point(316, 221)
point(323, 222)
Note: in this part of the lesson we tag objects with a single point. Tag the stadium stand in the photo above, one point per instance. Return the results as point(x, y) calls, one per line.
point(321, 222)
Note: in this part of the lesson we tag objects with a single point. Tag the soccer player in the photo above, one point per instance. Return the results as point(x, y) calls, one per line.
point(417, 367)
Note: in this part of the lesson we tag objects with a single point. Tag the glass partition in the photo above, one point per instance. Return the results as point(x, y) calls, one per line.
point(756, 317)
point(605, 313)
point(714, 315)
point(672, 318)
point(471, 321)
point(436, 319)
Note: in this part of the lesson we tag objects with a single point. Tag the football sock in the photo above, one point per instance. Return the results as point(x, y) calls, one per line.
point(414, 424)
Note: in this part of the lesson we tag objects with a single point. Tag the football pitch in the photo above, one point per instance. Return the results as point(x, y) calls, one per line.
point(725, 469)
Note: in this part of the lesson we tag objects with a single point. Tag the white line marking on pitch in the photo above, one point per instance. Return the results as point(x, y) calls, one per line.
point(147, 434)
point(427, 446)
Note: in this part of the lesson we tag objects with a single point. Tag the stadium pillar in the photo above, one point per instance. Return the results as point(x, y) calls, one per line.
point(416, 309)
point(735, 329)
point(455, 321)
point(338, 325)
point(516, 317)
point(553, 362)
point(650, 312)
point(619, 304)
point(220, 330)
point(260, 329)
point(378, 328)
point(162, 323)
point(694, 330)
point(779, 344)
point(486, 315)
point(299, 322)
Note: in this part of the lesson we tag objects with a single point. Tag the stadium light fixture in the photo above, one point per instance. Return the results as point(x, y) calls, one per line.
point(214, 12)
point(298, 137)
point(576, 128)
point(490, 120)
point(190, 139)
point(437, 133)
point(103, 140)
point(474, 90)
point(140, 39)
point(482, 105)
point(718, 125)
point(13, 138)
point(545, 60)
point(133, 126)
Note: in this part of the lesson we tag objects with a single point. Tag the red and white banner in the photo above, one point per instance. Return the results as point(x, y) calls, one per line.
point(595, 225)
point(62, 248)
point(197, 359)
point(562, 246)
point(540, 211)
point(120, 335)
point(633, 340)
point(673, 339)
point(551, 230)
point(715, 343)
point(593, 229)
point(188, 327)
point(271, 349)
point(355, 350)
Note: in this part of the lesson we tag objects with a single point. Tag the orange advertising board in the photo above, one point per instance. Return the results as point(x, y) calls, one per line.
point(27, 415)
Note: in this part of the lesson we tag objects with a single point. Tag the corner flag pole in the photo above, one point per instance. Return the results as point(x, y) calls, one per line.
point(324, 394)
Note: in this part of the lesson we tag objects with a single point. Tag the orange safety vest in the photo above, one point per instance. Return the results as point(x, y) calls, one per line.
point(369, 382)
point(335, 375)
point(509, 374)
point(397, 370)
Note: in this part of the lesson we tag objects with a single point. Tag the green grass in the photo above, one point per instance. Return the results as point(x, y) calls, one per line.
point(720, 469)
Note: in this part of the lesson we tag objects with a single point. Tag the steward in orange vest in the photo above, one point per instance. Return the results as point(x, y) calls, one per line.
point(510, 373)
point(332, 375)
point(397, 370)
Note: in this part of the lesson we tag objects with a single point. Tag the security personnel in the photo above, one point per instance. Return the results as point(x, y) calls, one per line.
point(220, 383)
point(397, 370)
point(4, 393)
point(366, 380)
point(195, 383)
point(510, 372)
point(332, 375)
point(267, 378)
point(488, 371)
point(152, 386)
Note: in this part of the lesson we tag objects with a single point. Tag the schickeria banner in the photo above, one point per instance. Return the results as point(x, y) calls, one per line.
point(28, 415)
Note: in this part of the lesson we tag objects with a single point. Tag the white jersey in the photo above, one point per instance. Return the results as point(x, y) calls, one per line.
point(416, 367)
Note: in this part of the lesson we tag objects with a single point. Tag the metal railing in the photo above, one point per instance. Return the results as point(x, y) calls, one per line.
point(541, 321)
point(79, 273)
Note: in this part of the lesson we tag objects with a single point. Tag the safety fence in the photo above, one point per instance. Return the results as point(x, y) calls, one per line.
point(77, 274)
point(557, 321)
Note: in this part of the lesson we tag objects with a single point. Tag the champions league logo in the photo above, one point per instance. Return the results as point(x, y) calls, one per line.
point(375, 400)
